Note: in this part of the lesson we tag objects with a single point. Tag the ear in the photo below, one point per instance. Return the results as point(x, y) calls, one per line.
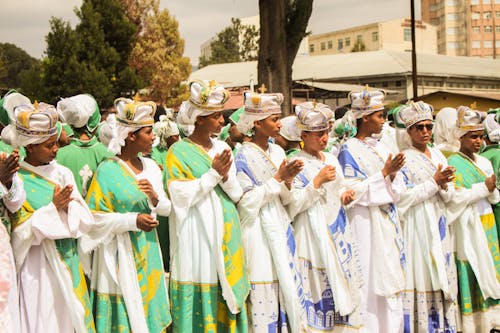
point(29, 148)
point(131, 136)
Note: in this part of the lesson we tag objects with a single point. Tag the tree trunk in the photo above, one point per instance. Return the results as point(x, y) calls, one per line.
point(283, 25)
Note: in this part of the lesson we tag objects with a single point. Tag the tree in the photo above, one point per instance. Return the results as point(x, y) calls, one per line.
point(157, 57)
point(358, 47)
point(15, 60)
point(107, 35)
point(283, 25)
point(236, 43)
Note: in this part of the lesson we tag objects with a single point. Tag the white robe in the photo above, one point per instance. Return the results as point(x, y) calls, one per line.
point(431, 280)
point(325, 245)
point(47, 300)
point(377, 231)
point(12, 200)
point(268, 240)
point(197, 227)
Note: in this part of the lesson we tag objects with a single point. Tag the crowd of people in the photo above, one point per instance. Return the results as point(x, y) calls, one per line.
point(358, 219)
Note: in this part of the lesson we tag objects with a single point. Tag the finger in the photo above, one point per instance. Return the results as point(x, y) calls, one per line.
point(389, 158)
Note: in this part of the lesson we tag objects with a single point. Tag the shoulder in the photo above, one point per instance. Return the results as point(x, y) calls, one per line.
point(275, 149)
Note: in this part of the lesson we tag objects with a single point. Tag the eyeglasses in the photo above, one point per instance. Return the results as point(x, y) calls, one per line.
point(420, 127)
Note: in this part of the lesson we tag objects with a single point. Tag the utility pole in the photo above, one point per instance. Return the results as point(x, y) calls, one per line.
point(413, 53)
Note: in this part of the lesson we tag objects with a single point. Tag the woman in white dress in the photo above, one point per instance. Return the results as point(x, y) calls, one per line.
point(276, 302)
point(430, 298)
point(328, 257)
point(371, 170)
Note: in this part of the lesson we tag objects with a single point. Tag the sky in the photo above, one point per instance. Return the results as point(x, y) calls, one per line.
point(26, 22)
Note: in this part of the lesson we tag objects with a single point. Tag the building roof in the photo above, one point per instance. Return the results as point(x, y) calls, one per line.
point(338, 67)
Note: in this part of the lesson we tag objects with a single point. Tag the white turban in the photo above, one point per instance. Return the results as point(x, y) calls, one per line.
point(290, 129)
point(445, 137)
point(164, 129)
point(258, 107)
point(492, 127)
point(77, 110)
point(33, 125)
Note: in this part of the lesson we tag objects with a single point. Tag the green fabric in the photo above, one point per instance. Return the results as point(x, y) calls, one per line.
point(470, 297)
point(292, 152)
point(492, 153)
point(114, 189)
point(224, 133)
point(39, 193)
point(159, 154)
point(68, 129)
point(186, 161)
point(83, 158)
point(236, 115)
point(6, 148)
point(4, 115)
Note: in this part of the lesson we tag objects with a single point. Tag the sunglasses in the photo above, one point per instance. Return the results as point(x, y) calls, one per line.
point(420, 127)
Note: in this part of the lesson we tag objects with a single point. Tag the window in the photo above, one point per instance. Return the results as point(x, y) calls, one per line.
point(452, 45)
point(359, 38)
point(474, 2)
point(452, 16)
point(407, 34)
point(497, 28)
point(399, 83)
point(487, 15)
point(435, 21)
point(497, 2)
point(452, 2)
point(340, 44)
point(488, 28)
point(476, 15)
point(476, 44)
point(330, 44)
point(497, 14)
point(375, 36)
point(311, 48)
point(488, 44)
point(497, 44)
point(323, 47)
point(452, 31)
point(486, 2)
point(347, 41)
point(476, 30)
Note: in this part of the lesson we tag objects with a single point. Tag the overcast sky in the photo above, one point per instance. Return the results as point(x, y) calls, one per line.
point(26, 22)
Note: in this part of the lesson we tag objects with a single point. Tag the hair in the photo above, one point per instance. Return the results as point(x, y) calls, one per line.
point(340, 111)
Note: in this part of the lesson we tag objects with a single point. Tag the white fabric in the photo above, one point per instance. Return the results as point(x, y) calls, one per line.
point(492, 127)
point(290, 129)
point(314, 116)
point(9, 297)
point(380, 239)
point(77, 110)
point(265, 223)
point(389, 138)
point(11, 101)
point(107, 130)
point(445, 137)
point(114, 269)
point(414, 112)
point(366, 102)
point(472, 245)
point(208, 94)
point(197, 228)
point(47, 302)
point(313, 211)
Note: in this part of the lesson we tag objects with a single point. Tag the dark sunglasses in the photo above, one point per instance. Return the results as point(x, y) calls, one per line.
point(420, 127)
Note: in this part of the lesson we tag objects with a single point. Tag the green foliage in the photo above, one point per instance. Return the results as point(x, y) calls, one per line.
point(13, 62)
point(236, 43)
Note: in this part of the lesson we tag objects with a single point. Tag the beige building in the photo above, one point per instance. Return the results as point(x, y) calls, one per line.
point(394, 35)
point(465, 27)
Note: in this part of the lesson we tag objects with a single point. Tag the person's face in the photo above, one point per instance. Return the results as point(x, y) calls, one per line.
point(45, 152)
point(172, 139)
point(374, 121)
point(212, 123)
point(235, 134)
point(269, 127)
point(471, 142)
point(421, 132)
point(64, 140)
point(142, 139)
point(315, 141)
point(281, 141)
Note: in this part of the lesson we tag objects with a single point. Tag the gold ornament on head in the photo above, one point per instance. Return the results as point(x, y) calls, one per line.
point(473, 106)
point(35, 105)
point(262, 88)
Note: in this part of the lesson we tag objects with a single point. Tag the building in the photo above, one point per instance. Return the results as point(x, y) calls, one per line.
point(394, 35)
point(389, 70)
point(465, 27)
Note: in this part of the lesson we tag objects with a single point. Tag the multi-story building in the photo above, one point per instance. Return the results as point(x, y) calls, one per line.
point(394, 35)
point(465, 27)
